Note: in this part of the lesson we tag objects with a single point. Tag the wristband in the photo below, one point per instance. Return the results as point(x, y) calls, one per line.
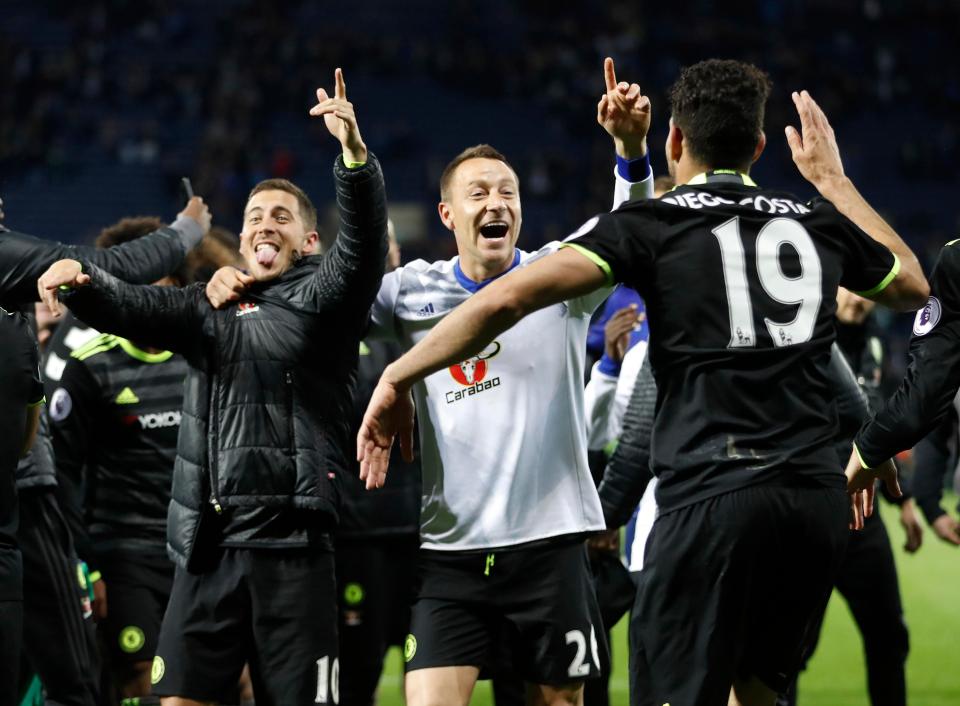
point(634, 170)
point(353, 165)
point(94, 577)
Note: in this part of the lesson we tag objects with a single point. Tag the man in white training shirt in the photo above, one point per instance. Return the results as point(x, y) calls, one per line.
point(507, 494)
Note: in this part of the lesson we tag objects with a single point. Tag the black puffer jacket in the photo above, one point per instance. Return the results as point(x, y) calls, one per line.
point(268, 400)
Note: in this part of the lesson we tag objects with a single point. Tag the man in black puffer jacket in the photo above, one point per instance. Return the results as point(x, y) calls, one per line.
point(265, 433)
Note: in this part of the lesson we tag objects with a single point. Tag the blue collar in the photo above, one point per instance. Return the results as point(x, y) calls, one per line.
point(474, 287)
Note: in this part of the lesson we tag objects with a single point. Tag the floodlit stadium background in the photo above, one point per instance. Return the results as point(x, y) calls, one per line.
point(105, 105)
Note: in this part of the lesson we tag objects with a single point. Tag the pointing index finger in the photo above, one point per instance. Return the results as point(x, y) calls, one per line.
point(609, 74)
point(341, 87)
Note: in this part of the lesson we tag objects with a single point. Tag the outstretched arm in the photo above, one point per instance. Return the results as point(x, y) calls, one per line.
point(165, 317)
point(817, 156)
point(24, 258)
point(555, 278)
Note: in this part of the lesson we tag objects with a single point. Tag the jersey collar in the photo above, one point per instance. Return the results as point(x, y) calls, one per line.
point(474, 287)
point(729, 176)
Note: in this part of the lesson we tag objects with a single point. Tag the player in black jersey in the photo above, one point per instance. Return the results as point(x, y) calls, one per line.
point(115, 417)
point(740, 285)
point(926, 394)
point(19, 414)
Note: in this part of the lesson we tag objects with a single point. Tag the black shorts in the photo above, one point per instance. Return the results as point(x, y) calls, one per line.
point(538, 600)
point(376, 579)
point(733, 587)
point(138, 589)
point(273, 608)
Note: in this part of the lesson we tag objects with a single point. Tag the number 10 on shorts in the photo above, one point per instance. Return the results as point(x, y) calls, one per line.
point(328, 681)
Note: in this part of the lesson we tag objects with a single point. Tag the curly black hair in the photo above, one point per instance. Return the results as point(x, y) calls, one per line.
point(719, 105)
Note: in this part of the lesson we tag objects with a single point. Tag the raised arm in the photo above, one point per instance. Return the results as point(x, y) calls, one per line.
point(625, 114)
point(817, 156)
point(24, 258)
point(350, 273)
point(165, 317)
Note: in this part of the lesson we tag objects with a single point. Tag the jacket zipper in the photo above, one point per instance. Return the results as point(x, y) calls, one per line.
point(291, 431)
point(212, 449)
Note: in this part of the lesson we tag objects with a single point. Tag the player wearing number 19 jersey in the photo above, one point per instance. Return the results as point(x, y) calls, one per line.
point(740, 285)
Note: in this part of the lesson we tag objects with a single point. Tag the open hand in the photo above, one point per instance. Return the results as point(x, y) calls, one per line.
point(624, 113)
point(861, 487)
point(227, 285)
point(616, 332)
point(947, 529)
point(911, 526)
point(389, 413)
point(340, 119)
point(814, 149)
point(63, 273)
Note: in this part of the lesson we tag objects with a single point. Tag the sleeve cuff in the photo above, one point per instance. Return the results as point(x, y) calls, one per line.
point(189, 231)
point(860, 457)
point(885, 281)
point(608, 366)
point(634, 170)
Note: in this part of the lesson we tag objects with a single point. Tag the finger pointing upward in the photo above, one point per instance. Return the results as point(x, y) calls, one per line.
point(609, 74)
point(341, 88)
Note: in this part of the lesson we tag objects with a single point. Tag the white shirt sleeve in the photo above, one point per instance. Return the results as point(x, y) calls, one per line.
point(624, 190)
point(598, 398)
point(383, 323)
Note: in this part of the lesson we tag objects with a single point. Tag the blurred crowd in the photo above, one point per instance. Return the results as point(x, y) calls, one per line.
point(212, 90)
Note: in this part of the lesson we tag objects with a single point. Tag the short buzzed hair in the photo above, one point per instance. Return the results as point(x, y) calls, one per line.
point(483, 151)
point(719, 105)
point(308, 212)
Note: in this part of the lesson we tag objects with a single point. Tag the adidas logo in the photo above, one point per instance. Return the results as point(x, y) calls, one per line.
point(427, 310)
point(126, 396)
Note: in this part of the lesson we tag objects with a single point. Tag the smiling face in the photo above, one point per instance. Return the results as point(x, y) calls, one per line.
point(481, 205)
point(274, 234)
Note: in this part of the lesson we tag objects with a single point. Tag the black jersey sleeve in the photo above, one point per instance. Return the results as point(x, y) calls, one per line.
point(868, 266)
point(622, 243)
point(72, 414)
point(926, 393)
point(170, 318)
point(349, 275)
point(24, 258)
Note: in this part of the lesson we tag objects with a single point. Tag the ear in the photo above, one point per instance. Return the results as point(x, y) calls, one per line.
point(674, 142)
point(446, 215)
point(311, 241)
point(761, 143)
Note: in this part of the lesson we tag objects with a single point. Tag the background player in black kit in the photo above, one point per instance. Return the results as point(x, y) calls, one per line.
point(114, 419)
point(376, 545)
point(925, 396)
point(264, 433)
point(19, 414)
point(750, 494)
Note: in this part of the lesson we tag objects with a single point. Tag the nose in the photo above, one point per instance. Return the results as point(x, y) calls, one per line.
point(495, 202)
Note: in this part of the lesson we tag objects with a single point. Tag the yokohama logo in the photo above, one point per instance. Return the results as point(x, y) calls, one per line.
point(159, 420)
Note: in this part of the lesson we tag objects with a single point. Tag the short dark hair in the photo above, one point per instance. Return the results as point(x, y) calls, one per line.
point(220, 247)
point(308, 212)
point(127, 229)
point(719, 105)
point(476, 152)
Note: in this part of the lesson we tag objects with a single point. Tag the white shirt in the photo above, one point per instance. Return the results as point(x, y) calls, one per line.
point(502, 441)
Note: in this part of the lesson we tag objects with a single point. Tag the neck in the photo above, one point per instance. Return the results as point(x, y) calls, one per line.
point(479, 271)
point(688, 169)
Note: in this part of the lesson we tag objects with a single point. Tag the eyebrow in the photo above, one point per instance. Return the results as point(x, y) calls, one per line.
point(275, 208)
